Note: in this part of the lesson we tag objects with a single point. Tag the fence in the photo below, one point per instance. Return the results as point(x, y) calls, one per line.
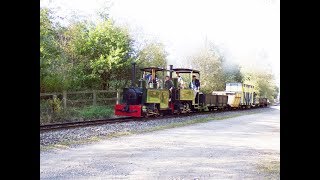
point(94, 99)
point(77, 105)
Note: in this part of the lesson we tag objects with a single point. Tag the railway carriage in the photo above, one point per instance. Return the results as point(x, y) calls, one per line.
point(243, 94)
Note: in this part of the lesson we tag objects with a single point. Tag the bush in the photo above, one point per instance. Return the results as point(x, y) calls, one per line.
point(48, 114)
point(55, 104)
point(96, 112)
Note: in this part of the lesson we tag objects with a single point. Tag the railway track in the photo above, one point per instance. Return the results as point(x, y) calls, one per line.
point(69, 125)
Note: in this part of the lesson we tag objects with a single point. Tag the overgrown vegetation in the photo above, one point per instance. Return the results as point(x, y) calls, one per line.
point(49, 115)
point(96, 112)
point(215, 72)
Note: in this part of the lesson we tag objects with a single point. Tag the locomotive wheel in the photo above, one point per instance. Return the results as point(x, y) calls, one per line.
point(157, 113)
point(178, 112)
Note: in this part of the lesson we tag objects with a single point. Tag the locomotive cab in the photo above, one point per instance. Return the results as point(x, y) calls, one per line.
point(149, 99)
point(185, 98)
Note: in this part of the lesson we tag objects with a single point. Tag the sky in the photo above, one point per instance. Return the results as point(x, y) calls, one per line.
point(246, 32)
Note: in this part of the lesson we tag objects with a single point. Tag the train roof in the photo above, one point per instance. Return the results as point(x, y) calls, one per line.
point(184, 70)
point(149, 69)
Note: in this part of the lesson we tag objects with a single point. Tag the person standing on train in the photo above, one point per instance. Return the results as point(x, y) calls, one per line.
point(168, 84)
point(180, 80)
point(195, 83)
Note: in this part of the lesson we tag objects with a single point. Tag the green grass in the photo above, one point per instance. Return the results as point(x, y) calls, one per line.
point(95, 112)
point(76, 113)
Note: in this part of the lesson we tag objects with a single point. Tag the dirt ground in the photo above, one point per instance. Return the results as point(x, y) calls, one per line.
point(244, 147)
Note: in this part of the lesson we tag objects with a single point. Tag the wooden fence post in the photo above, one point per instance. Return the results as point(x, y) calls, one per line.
point(118, 96)
point(54, 108)
point(94, 97)
point(64, 94)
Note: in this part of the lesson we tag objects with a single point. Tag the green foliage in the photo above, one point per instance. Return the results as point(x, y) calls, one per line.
point(232, 72)
point(47, 115)
point(275, 92)
point(53, 83)
point(96, 112)
point(72, 39)
point(55, 103)
point(83, 56)
point(153, 54)
point(48, 45)
point(264, 83)
point(104, 49)
point(81, 78)
point(216, 72)
point(210, 66)
point(51, 59)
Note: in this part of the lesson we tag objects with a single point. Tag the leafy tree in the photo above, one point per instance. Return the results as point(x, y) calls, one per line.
point(275, 92)
point(50, 53)
point(210, 65)
point(83, 54)
point(232, 72)
point(48, 46)
point(78, 71)
point(264, 83)
point(103, 49)
point(153, 54)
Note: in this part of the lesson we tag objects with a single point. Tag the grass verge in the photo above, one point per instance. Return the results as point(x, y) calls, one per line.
point(76, 113)
point(271, 168)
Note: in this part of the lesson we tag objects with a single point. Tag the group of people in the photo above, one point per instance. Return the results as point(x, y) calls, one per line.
point(194, 84)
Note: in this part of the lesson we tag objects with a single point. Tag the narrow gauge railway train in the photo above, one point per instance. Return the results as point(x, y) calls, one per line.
point(150, 98)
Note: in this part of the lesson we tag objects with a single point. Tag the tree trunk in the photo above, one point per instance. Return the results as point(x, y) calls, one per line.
point(104, 86)
point(105, 83)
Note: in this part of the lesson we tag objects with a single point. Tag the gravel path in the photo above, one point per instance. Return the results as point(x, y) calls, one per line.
point(83, 133)
point(243, 147)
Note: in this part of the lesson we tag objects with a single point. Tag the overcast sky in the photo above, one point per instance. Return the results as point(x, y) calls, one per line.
point(246, 31)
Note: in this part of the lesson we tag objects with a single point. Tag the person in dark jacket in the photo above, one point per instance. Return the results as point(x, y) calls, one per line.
point(168, 84)
point(195, 83)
